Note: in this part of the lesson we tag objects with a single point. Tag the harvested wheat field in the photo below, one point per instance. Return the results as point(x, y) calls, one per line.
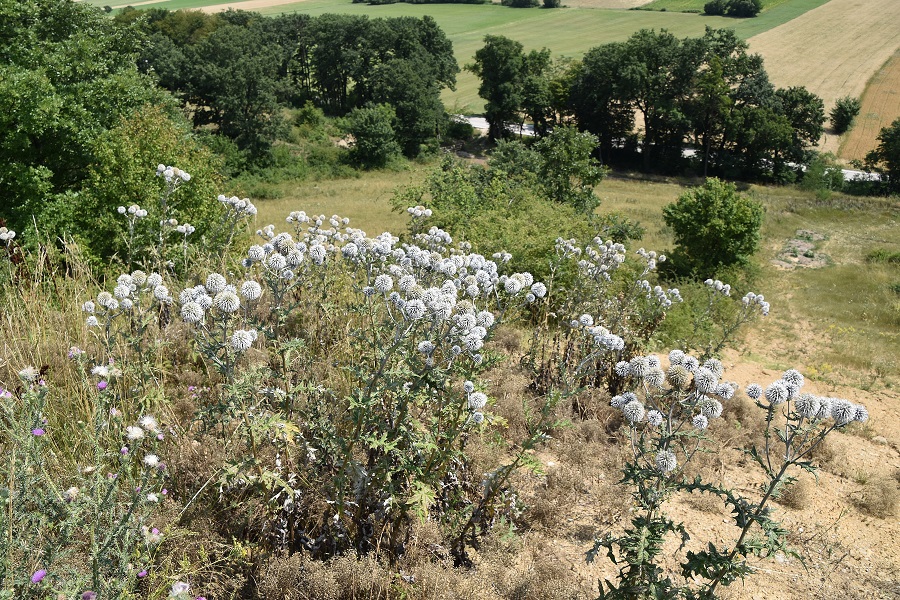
point(832, 50)
point(880, 106)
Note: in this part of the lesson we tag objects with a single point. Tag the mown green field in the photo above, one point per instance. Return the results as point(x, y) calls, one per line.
point(567, 32)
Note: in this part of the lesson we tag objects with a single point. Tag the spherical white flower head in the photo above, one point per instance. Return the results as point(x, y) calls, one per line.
point(104, 299)
point(711, 408)
point(113, 304)
point(655, 377)
point(862, 414)
point(251, 290)
point(700, 422)
point(665, 461)
point(485, 319)
point(539, 290)
point(151, 460)
point(241, 340)
point(92, 321)
point(215, 283)
point(843, 412)
point(122, 210)
point(618, 401)
point(622, 368)
point(317, 254)
point(477, 418)
point(654, 418)
point(122, 291)
point(714, 365)
point(477, 400)
point(725, 391)
point(134, 433)
point(161, 293)
point(466, 321)
point(639, 367)
point(426, 347)
point(384, 283)
point(753, 391)
point(227, 302)
point(179, 588)
point(824, 409)
point(6, 235)
point(807, 406)
point(705, 381)
point(512, 286)
point(153, 280)
point(777, 393)
point(149, 423)
point(414, 310)
point(468, 387)
point(633, 411)
point(586, 320)
point(88, 307)
point(678, 377)
point(690, 363)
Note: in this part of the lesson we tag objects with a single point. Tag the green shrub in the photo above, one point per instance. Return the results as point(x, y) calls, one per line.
point(520, 3)
point(375, 139)
point(714, 227)
point(845, 110)
point(716, 7)
point(883, 256)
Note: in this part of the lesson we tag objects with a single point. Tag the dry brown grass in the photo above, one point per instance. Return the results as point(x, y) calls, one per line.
point(832, 50)
point(880, 106)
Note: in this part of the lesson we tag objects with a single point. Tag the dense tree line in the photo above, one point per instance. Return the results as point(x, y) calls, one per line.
point(235, 70)
point(708, 93)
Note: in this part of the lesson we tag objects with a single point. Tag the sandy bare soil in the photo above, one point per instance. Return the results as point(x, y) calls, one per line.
point(832, 50)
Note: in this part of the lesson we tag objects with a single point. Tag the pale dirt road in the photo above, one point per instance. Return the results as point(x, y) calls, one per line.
point(832, 50)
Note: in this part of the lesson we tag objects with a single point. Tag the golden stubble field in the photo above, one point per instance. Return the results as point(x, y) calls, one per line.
point(880, 107)
point(832, 50)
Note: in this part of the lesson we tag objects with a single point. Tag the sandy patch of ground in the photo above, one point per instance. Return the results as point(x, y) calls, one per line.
point(801, 251)
point(832, 50)
point(880, 106)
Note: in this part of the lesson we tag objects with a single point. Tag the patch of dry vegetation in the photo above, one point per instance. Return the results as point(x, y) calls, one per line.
point(880, 107)
point(832, 50)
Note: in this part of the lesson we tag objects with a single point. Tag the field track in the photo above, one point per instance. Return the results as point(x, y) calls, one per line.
point(880, 107)
point(832, 50)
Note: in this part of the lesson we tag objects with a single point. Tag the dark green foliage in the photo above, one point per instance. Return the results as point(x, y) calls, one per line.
point(885, 158)
point(375, 139)
point(845, 110)
point(713, 227)
point(67, 76)
point(568, 172)
point(733, 8)
point(499, 65)
point(883, 256)
point(823, 175)
point(552, 3)
point(520, 3)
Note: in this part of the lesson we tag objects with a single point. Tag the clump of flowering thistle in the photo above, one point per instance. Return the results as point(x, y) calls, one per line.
point(107, 494)
point(129, 310)
point(666, 415)
point(7, 235)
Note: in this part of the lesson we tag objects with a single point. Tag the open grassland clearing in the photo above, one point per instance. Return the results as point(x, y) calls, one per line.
point(832, 50)
point(880, 107)
point(567, 33)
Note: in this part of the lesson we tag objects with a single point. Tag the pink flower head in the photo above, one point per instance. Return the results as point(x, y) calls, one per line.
point(142, 574)
point(37, 432)
point(101, 385)
point(38, 575)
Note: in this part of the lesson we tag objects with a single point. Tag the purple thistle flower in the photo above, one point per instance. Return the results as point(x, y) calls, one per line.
point(89, 595)
point(101, 385)
point(142, 574)
point(37, 432)
point(38, 575)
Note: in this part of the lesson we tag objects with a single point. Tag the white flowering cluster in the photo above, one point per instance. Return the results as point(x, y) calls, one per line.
point(717, 286)
point(6, 235)
point(601, 258)
point(172, 175)
point(603, 338)
point(134, 211)
point(476, 402)
point(237, 207)
point(419, 212)
point(704, 390)
point(807, 406)
point(127, 294)
point(750, 300)
point(185, 229)
point(216, 294)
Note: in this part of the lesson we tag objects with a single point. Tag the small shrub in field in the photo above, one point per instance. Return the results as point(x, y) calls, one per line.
point(845, 110)
point(375, 139)
point(713, 227)
point(797, 494)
